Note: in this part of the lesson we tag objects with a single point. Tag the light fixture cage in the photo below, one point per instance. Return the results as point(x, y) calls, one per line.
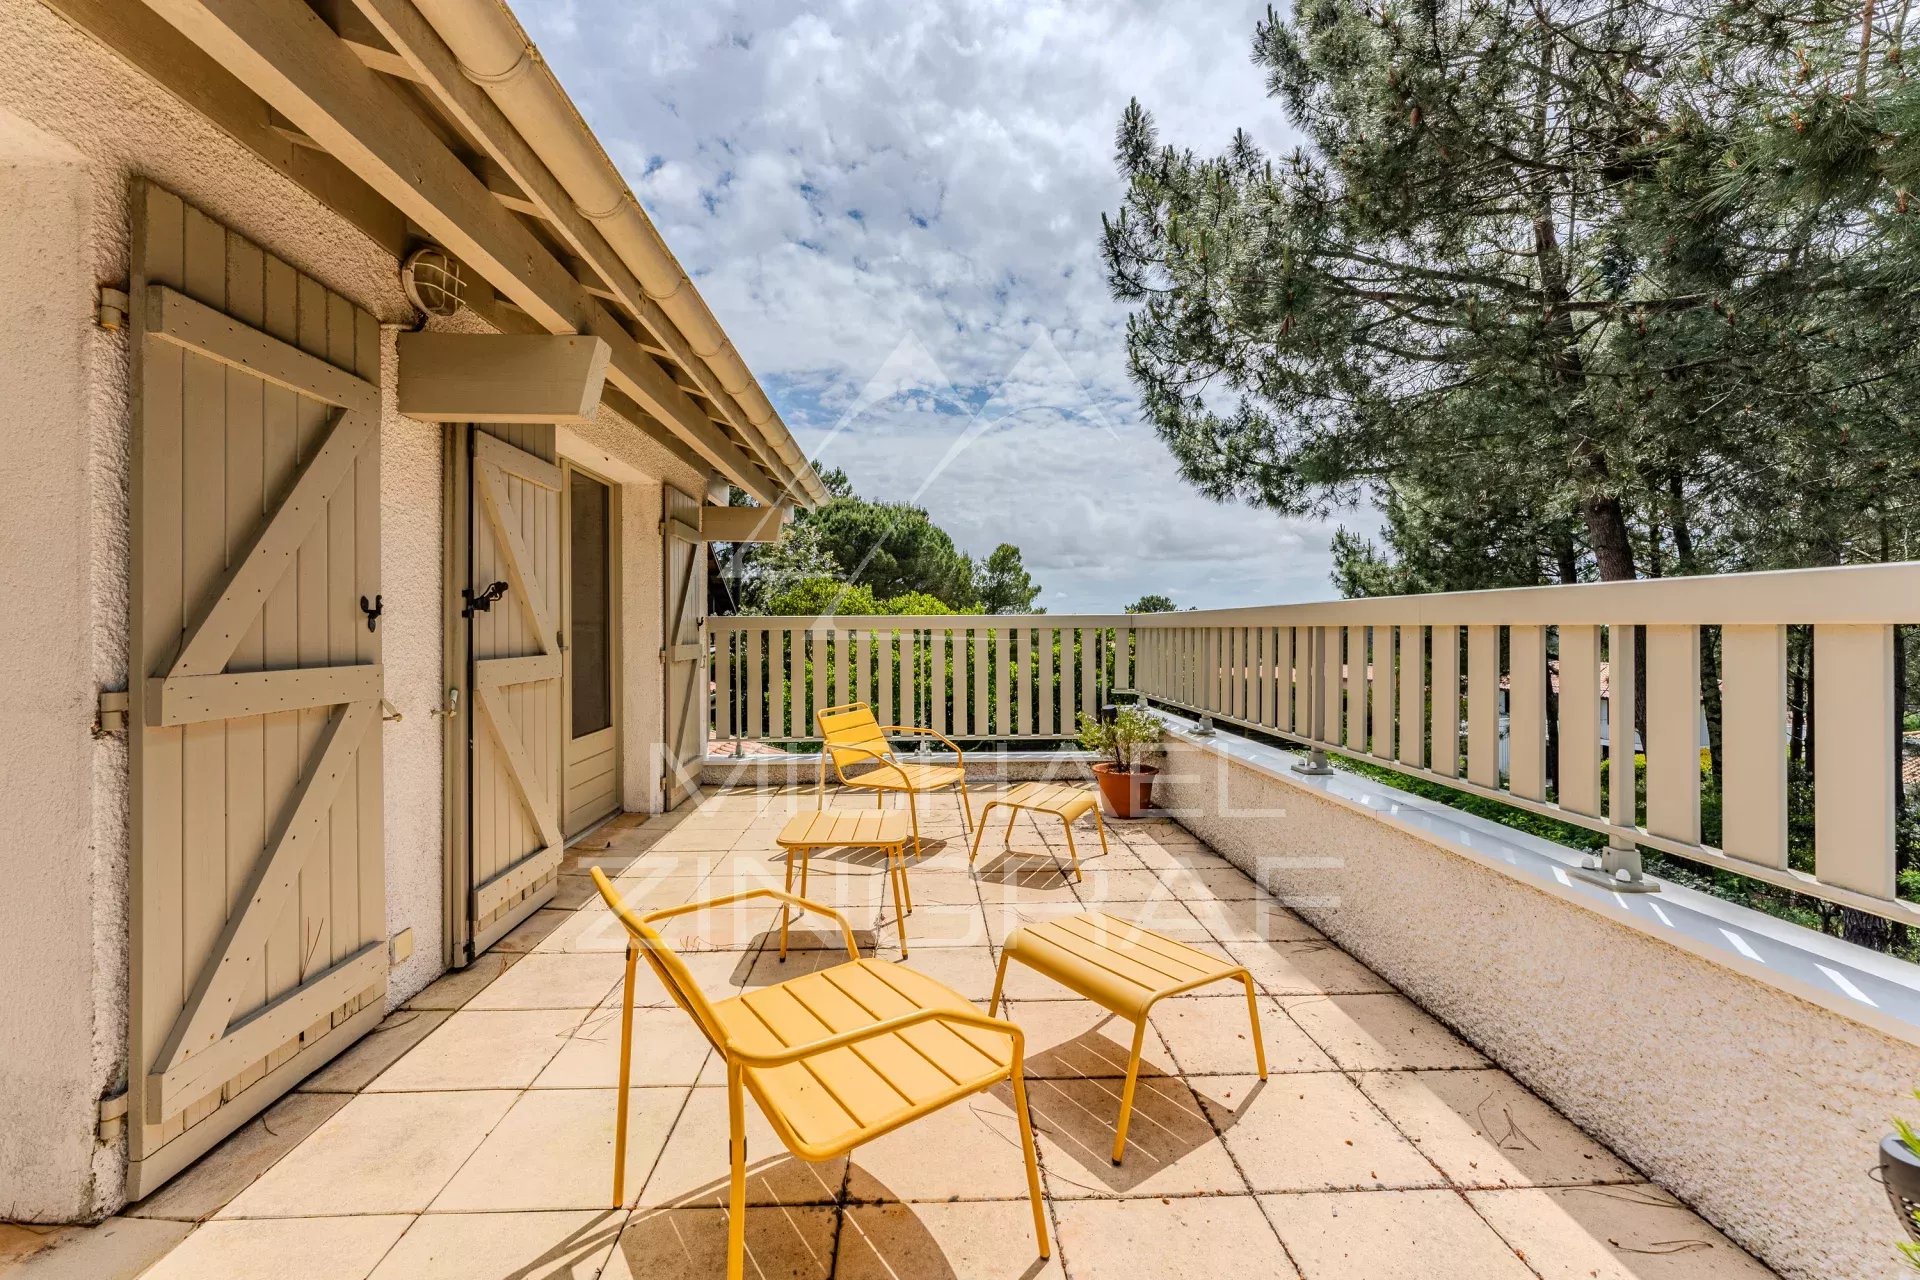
point(434, 281)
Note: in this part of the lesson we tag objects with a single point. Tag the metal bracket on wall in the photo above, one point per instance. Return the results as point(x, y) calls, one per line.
point(110, 716)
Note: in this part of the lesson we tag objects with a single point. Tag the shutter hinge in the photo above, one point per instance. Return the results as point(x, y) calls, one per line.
point(110, 716)
point(113, 1116)
point(112, 315)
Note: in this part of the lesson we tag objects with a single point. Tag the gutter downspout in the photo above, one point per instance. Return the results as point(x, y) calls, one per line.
point(495, 53)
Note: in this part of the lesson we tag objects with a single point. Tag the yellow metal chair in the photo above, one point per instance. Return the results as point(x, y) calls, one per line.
point(834, 1058)
point(850, 737)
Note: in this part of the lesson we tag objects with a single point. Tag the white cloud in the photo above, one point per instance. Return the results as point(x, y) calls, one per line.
point(895, 210)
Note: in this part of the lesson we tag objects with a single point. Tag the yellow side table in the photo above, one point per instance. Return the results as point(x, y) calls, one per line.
point(1126, 970)
point(888, 830)
point(1064, 801)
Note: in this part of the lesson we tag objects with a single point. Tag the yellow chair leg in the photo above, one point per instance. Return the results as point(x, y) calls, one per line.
point(1026, 1147)
point(1126, 1094)
point(999, 981)
point(1013, 814)
point(1101, 827)
point(1253, 1015)
point(737, 1189)
point(906, 884)
point(626, 1062)
point(913, 808)
point(786, 908)
point(966, 807)
point(896, 862)
point(1072, 851)
point(979, 830)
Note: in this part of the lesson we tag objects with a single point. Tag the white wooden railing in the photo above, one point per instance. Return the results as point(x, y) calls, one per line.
point(1364, 679)
point(999, 677)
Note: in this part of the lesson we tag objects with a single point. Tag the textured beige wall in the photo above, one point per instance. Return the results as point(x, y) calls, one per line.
point(1760, 1109)
point(77, 126)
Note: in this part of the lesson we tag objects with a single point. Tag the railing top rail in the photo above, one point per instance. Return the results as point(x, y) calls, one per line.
point(1874, 594)
point(918, 621)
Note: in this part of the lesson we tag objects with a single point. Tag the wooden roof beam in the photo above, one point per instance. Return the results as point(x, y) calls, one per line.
point(414, 37)
point(286, 54)
point(364, 39)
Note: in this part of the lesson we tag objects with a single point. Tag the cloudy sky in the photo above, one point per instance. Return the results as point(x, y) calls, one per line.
point(894, 208)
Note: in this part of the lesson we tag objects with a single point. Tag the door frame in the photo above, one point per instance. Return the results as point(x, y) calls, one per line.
point(616, 645)
point(456, 711)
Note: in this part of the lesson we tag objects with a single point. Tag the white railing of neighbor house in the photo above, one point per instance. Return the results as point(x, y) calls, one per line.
point(1362, 679)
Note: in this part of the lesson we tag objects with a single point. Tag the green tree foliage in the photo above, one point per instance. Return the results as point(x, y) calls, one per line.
point(1570, 288)
point(893, 548)
point(1003, 584)
point(1152, 604)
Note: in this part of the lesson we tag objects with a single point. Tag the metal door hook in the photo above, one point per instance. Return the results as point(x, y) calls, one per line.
point(484, 601)
point(373, 611)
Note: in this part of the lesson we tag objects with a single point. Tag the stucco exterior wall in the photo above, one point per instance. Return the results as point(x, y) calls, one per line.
point(1760, 1109)
point(77, 126)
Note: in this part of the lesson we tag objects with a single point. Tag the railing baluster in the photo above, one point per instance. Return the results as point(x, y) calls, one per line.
point(1381, 730)
point(1483, 706)
point(1579, 782)
point(755, 683)
point(1413, 696)
point(1623, 783)
point(1853, 758)
point(1046, 677)
point(1753, 754)
point(723, 721)
point(1446, 700)
point(1673, 732)
point(938, 681)
point(1003, 726)
point(1527, 712)
point(1355, 735)
point(982, 711)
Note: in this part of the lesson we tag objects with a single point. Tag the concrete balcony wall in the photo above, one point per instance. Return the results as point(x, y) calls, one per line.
point(1762, 1109)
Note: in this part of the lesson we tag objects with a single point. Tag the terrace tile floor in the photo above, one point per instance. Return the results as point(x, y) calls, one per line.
point(470, 1136)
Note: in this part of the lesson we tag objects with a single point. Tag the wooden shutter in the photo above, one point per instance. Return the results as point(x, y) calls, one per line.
point(685, 648)
point(514, 825)
point(258, 904)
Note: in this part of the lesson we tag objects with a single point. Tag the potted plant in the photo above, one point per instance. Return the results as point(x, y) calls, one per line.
point(1126, 783)
point(1900, 1175)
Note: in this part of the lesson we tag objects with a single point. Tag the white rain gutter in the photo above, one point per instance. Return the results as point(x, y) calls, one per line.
point(496, 54)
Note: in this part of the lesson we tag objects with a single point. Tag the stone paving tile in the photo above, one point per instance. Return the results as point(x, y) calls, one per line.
point(482, 1049)
point(554, 1150)
point(1173, 1239)
point(691, 1244)
point(519, 1246)
point(1391, 1235)
point(1613, 1233)
point(117, 1249)
point(1311, 1132)
point(1485, 1130)
point(272, 1248)
point(1380, 1033)
point(1171, 1147)
point(210, 1183)
point(381, 1153)
point(979, 1240)
point(1381, 1145)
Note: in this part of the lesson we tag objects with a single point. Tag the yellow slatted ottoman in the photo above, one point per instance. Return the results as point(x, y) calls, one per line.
point(1125, 970)
point(1065, 802)
point(888, 830)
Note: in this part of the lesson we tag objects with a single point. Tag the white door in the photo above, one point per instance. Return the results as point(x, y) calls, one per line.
point(592, 654)
point(685, 649)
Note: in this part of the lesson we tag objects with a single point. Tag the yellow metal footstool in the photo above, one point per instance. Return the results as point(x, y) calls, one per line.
point(1126, 970)
point(1067, 803)
point(888, 830)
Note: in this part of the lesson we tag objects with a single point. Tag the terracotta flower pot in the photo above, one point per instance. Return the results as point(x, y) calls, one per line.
point(1127, 795)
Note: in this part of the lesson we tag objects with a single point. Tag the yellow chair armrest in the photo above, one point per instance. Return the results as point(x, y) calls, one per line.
point(846, 930)
point(966, 1017)
point(829, 750)
point(931, 733)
